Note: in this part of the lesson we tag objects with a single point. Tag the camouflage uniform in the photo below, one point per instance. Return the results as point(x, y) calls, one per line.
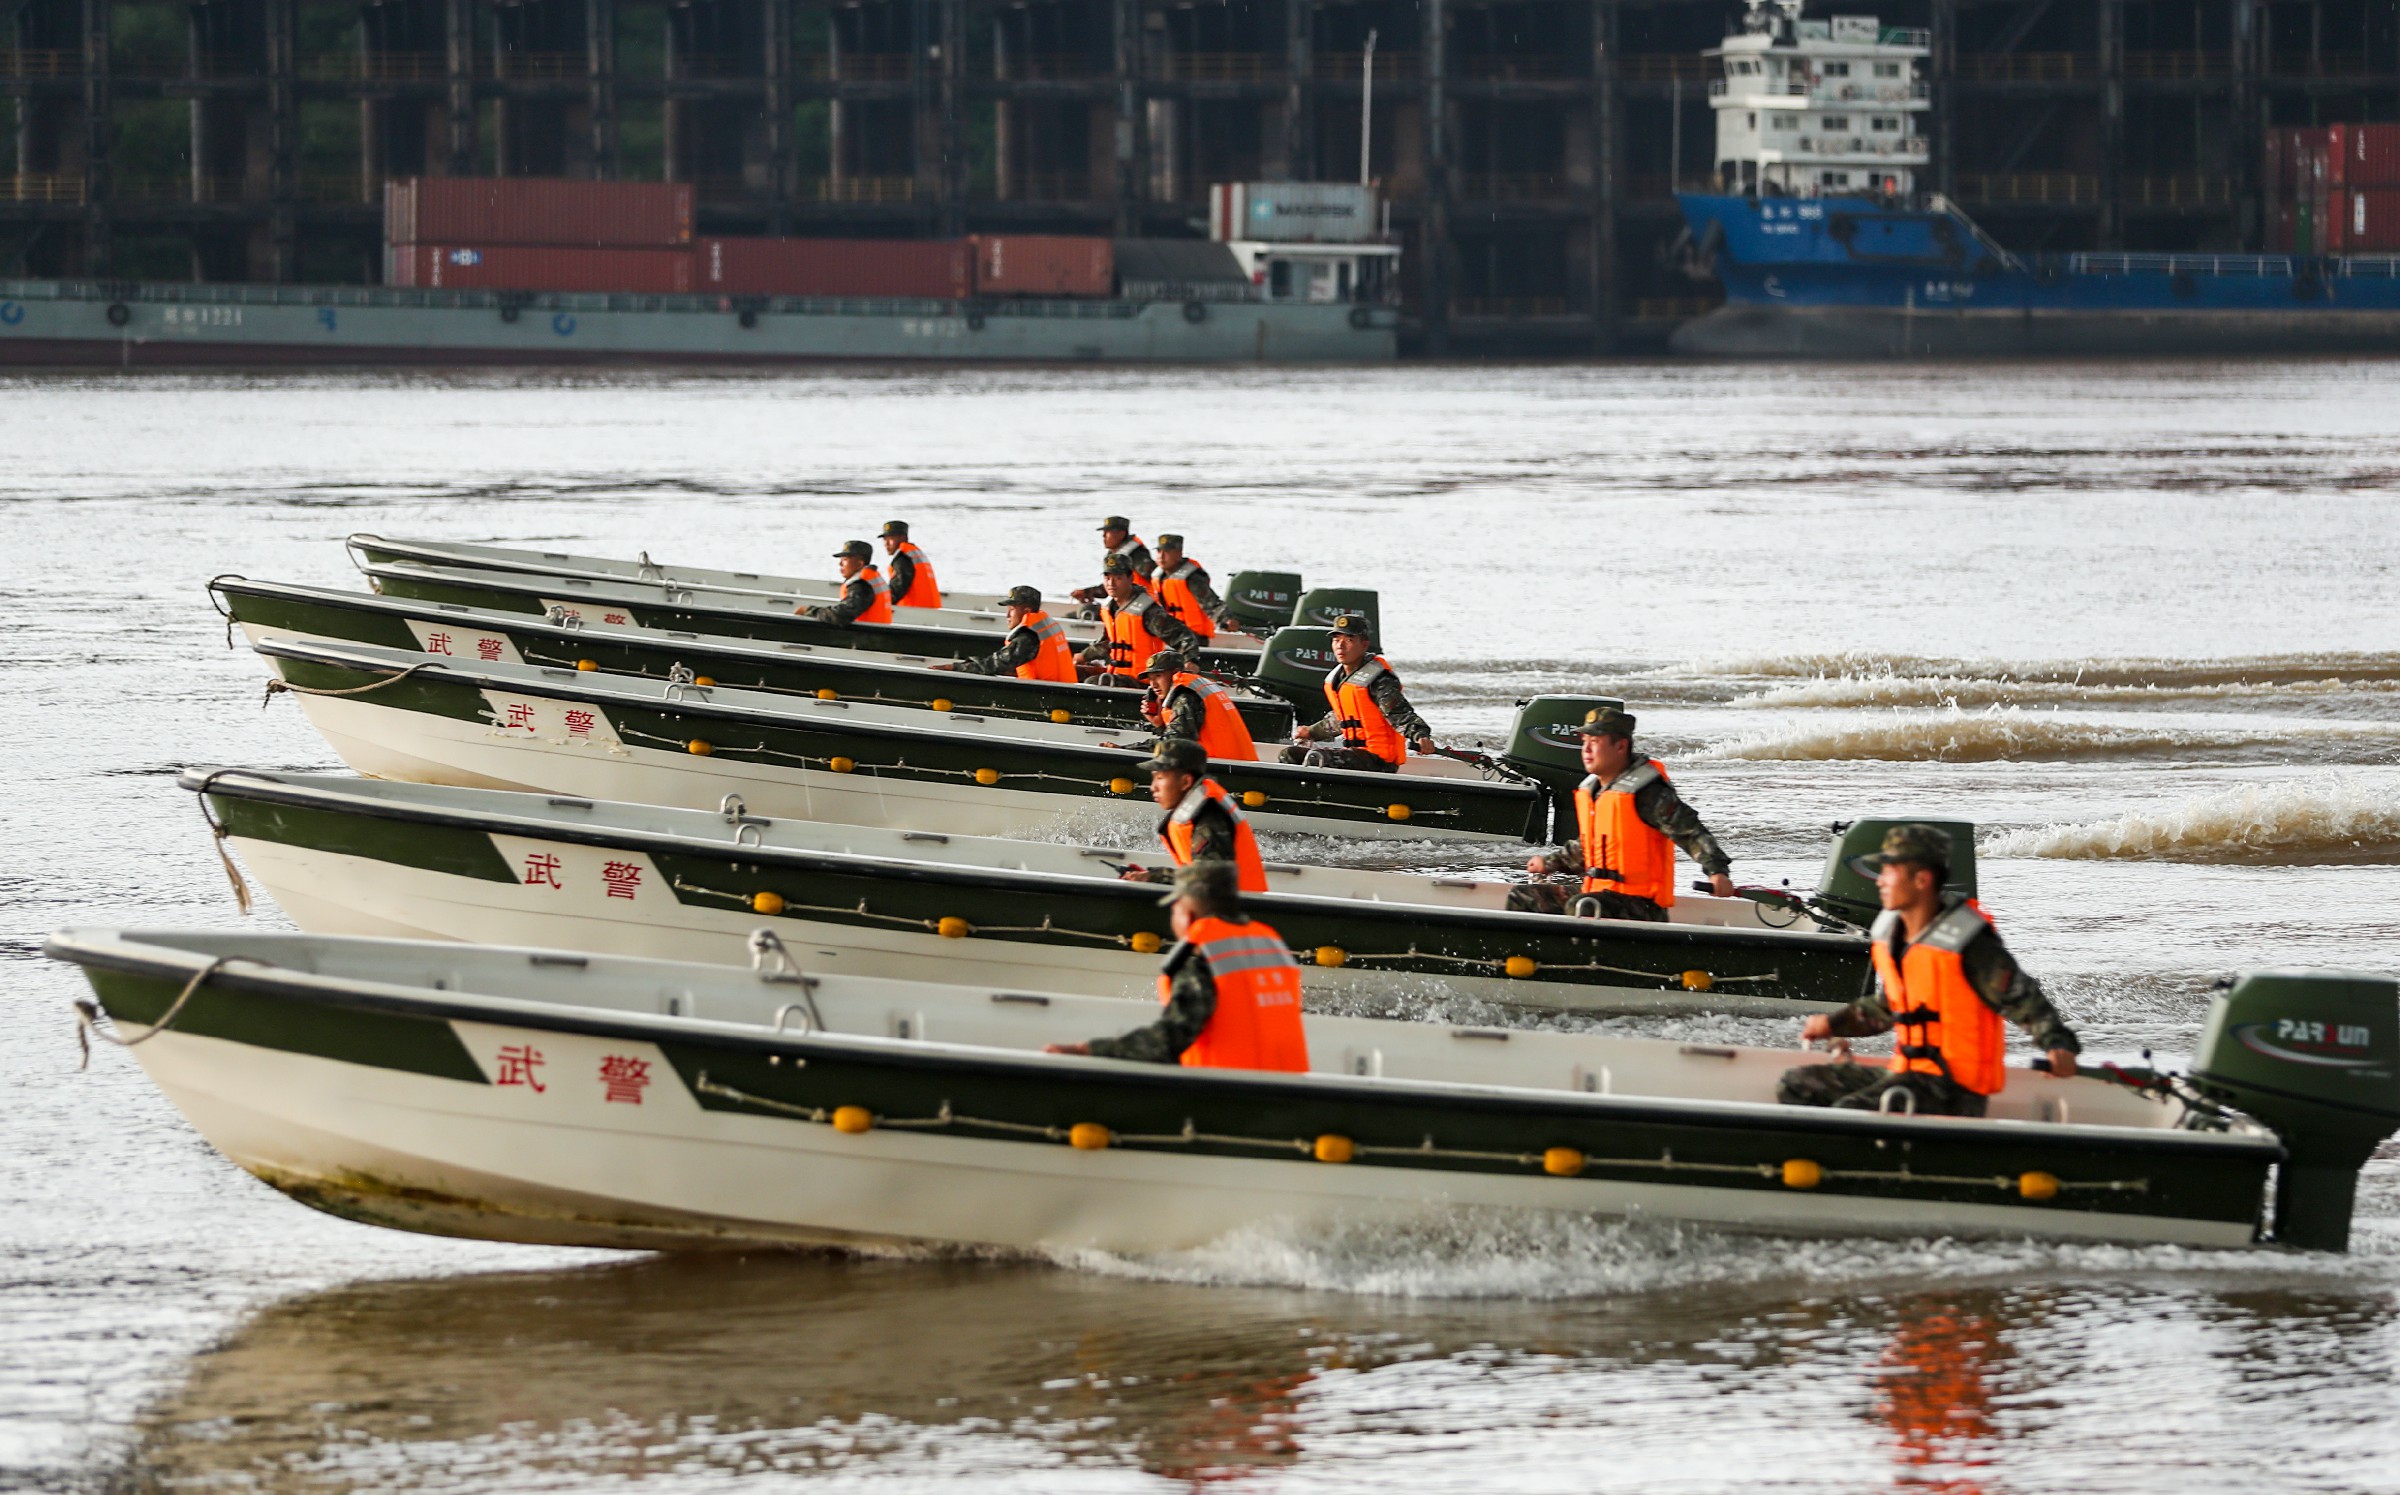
point(1202, 592)
point(1022, 646)
point(1191, 989)
point(1384, 690)
point(1213, 839)
point(900, 573)
point(1157, 622)
point(1662, 809)
point(1181, 714)
point(1996, 977)
point(858, 594)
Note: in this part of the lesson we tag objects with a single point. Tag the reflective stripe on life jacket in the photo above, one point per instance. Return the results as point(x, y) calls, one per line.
point(1175, 833)
point(922, 589)
point(1257, 1021)
point(1943, 1026)
point(1175, 593)
point(1138, 556)
point(1223, 733)
point(1623, 853)
point(1053, 657)
point(1362, 721)
point(880, 610)
point(1129, 642)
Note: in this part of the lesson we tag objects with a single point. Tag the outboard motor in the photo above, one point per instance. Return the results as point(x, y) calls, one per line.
point(1292, 665)
point(1262, 601)
point(2316, 1056)
point(1325, 606)
point(1544, 745)
point(1851, 898)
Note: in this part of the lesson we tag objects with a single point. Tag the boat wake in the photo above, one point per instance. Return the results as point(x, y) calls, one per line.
point(1475, 1253)
point(1969, 690)
point(2010, 733)
point(2357, 671)
point(2336, 818)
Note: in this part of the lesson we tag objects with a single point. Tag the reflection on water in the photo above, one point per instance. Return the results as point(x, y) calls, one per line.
point(691, 1374)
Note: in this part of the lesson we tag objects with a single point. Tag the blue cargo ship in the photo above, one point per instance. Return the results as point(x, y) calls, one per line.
point(1858, 277)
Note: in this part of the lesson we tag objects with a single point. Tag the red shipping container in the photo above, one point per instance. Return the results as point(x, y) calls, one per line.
point(537, 210)
point(1043, 265)
point(2279, 228)
point(2362, 155)
point(2362, 220)
point(534, 267)
point(941, 269)
point(2294, 160)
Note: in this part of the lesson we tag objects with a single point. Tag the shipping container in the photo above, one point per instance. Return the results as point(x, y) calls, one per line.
point(2279, 228)
point(1292, 212)
point(2362, 220)
point(2294, 162)
point(558, 211)
point(941, 269)
point(1043, 265)
point(534, 267)
point(2362, 156)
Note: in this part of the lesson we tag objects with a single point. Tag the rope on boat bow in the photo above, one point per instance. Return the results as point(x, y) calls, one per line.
point(278, 686)
point(218, 833)
point(87, 1015)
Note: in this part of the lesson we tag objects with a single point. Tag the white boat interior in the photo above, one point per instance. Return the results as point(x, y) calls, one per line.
point(662, 997)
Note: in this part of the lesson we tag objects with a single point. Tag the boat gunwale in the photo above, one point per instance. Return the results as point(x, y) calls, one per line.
point(123, 951)
point(1637, 931)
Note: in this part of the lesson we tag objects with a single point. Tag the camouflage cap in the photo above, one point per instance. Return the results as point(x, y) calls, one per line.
point(1605, 721)
point(1924, 845)
point(1170, 542)
point(1113, 564)
point(1211, 882)
point(1166, 662)
point(895, 529)
point(1117, 521)
point(859, 548)
point(1028, 598)
point(1178, 755)
point(1355, 626)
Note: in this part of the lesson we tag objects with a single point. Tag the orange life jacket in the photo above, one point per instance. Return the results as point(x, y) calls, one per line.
point(1623, 853)
point(1257, 1021)
point(1053, 659)
point(1943, 1026)
point(1129, 642)
point(1223, 733)
point(1175, 591)
point(1138, 556)
point(1175, 833)
point(1363, 723)
point(880, 610)
point(922, 591)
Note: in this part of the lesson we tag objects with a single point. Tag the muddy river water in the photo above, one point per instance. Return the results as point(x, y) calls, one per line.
point(2140, 623)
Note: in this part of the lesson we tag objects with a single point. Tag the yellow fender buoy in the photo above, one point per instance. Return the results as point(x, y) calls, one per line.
point(987, 777)
point(2038, 1185)
point(828, 695)
point(1802, 1173)
point(1521, 966)
point(850, 1121)
point(587, 664)
point(1061, 715)
point(841, 765)
point(941, 703)
point(1333, 1147)
point(1331, 956)
point(1562, 1162)
point(704, 680)
point(699, 747)
point(1145, 943)
point(1120, 786)
point(1698, 981)
point(1088, 1136)
point(952, 927)
point(1397, 812)
point(766, 903)
point(1253, 798)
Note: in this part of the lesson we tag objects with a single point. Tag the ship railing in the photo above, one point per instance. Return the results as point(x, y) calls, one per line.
point(1905, 36)
point(2371, 266)
point(1764, 88)
point(1902, 147)
point(42, 186)
point(2279, 265)
point(1855, 92)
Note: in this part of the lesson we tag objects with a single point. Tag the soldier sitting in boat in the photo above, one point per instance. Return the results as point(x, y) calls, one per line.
point(865, 599)
point(1116, 532)
point(1631, 820)
point(1202, 823)
point(1036, 647)
point(1371, 716)
point(1136, 628)
point(1186, 704)
point(910, 575)
point(1944, 981)
point(1230, 986)
point(1183, 589)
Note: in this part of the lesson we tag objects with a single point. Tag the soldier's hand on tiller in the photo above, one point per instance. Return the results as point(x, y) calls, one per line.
point(1814, 1027)
point(1134, 874)
point(2062, 1064)
point(1067, 1048)
point(1537, 865)
point(1721, 885)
